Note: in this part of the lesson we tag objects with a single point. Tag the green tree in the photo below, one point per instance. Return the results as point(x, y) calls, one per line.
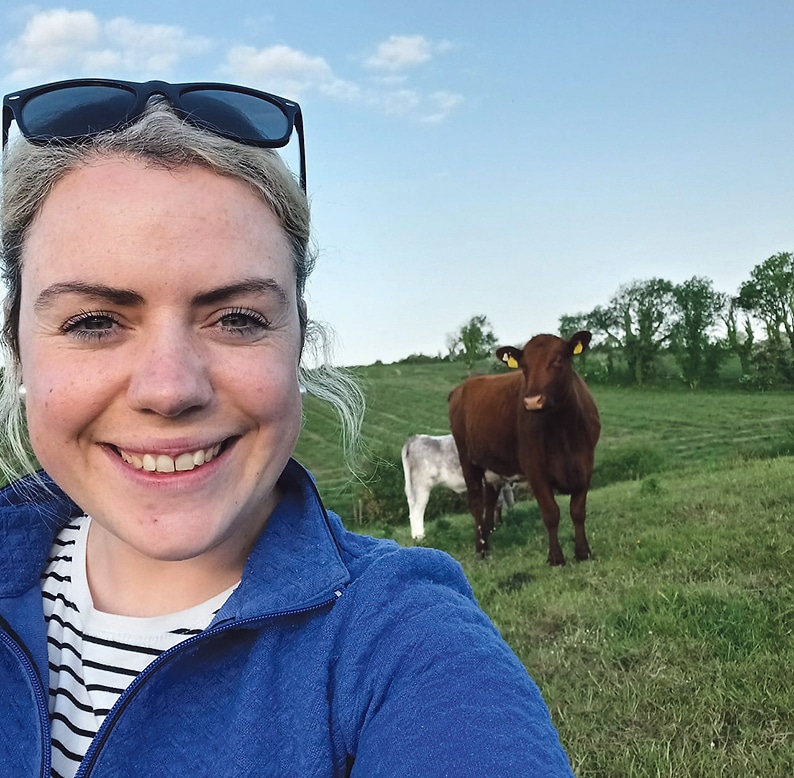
point(740, 337)
point(571, 324)
point(698, 308)
point(638, 319)
point(474, 340)
point(769, 296)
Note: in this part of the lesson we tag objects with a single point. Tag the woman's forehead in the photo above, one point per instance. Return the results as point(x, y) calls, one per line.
point(125, 219)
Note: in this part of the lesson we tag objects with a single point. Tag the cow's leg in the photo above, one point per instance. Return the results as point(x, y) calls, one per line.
point(550, 512)
point(578, 512)
point(417, 503)
point(497, 514)
point(491, 499)
point(473, 476)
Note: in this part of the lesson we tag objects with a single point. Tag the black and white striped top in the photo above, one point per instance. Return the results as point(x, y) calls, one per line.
point(93, 656)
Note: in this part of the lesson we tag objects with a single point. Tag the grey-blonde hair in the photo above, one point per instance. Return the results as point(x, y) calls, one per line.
point(162, 139)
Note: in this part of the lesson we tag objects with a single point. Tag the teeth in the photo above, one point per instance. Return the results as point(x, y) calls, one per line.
point(165, 464)
point(162, 463)
point(184, 462)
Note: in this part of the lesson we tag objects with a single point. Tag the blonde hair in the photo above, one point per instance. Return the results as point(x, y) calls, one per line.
point(160, 138)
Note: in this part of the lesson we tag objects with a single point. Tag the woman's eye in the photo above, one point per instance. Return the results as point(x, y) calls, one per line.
point(243, 322)
point(91, 326)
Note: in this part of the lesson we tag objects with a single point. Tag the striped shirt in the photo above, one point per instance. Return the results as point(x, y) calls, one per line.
point(93, 656)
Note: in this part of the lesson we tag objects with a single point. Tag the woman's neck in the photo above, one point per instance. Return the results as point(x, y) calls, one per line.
point(125, 582)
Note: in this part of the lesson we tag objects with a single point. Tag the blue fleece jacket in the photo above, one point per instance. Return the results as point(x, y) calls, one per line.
point(337, 655)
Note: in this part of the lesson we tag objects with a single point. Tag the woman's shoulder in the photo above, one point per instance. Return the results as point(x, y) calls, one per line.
point(418, 592)
point(383, 563)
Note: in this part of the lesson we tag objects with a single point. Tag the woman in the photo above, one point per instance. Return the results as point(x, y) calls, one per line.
point(175, 600)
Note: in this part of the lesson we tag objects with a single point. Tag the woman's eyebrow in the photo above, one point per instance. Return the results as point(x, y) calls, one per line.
point(245, 286)
point(127, 297)
point(100, 292)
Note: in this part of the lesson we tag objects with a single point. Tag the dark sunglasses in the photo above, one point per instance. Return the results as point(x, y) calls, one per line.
point(72, 110)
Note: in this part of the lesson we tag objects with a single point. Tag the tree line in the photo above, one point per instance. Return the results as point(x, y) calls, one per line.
point(696, 326)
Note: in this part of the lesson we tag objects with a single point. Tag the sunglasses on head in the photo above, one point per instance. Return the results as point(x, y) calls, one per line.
point(69, 111)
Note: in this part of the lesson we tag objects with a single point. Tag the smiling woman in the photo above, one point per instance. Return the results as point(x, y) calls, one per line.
point(175, 598)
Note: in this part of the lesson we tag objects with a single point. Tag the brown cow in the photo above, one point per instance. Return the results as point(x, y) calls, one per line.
point(540, 422)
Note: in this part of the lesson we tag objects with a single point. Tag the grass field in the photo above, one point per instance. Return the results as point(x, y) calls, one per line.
point(649, 430)
point(671, 652)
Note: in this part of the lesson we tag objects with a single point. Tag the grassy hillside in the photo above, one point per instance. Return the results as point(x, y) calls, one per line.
point(671, 653)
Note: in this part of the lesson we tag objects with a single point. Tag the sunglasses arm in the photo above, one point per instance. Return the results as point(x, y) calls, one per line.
point(8, 116)
point(301, 147)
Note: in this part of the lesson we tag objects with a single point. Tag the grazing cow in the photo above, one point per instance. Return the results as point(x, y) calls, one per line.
point(432, 460)
point(541, 422)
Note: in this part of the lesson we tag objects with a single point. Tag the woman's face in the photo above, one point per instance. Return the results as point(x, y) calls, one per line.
point(159, 340)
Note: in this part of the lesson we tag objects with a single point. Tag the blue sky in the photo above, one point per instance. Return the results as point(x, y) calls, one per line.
point(517, 160)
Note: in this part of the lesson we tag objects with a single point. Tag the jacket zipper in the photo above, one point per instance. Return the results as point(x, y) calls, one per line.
point(91, 755)
point(43, 709)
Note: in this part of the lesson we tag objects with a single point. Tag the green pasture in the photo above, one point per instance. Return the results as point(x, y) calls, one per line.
point(643, 430)
point(671, 652)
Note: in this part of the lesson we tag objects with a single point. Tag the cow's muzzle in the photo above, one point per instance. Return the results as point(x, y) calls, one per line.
point(535, 403)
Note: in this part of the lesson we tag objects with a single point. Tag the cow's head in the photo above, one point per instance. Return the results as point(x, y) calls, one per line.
point(546, 363)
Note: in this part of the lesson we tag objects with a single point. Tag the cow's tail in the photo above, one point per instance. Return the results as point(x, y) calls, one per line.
point(409, 487)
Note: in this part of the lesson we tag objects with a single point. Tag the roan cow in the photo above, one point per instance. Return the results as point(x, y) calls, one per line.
point(539, 421)
point(430, 461)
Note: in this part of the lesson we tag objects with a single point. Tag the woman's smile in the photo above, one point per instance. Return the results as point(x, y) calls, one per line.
point(163, 463)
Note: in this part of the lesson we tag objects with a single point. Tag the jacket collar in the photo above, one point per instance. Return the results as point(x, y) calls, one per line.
point(32, 510)
point(295, 563)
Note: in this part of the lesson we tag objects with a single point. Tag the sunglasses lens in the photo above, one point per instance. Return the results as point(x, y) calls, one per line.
point(239, 116)
point(76, 111)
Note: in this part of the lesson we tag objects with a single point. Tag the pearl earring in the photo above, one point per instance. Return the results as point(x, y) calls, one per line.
point(22, 391)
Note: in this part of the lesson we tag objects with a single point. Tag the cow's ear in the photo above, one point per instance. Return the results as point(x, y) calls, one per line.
point(579, 342)
point(510, 355)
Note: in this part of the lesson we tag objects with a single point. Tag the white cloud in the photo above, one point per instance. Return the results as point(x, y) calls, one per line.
point(399, 52)
point(155, 47)
point(293, 73)
point(399, 102)
point(442, 104)
point(286, 71)
point(76, 43)
point(50, 40)
point(409, 103)
point(390, 87)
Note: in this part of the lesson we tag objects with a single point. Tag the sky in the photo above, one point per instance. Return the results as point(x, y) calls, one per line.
point(520, 161)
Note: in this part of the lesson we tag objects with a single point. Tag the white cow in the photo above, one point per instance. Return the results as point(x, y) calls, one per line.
point(432, 460)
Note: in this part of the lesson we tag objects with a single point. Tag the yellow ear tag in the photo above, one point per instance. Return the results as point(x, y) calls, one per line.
point(578, 348)
point(512, 362)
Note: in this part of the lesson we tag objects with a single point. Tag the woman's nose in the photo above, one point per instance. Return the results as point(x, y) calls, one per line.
point(170, 377)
